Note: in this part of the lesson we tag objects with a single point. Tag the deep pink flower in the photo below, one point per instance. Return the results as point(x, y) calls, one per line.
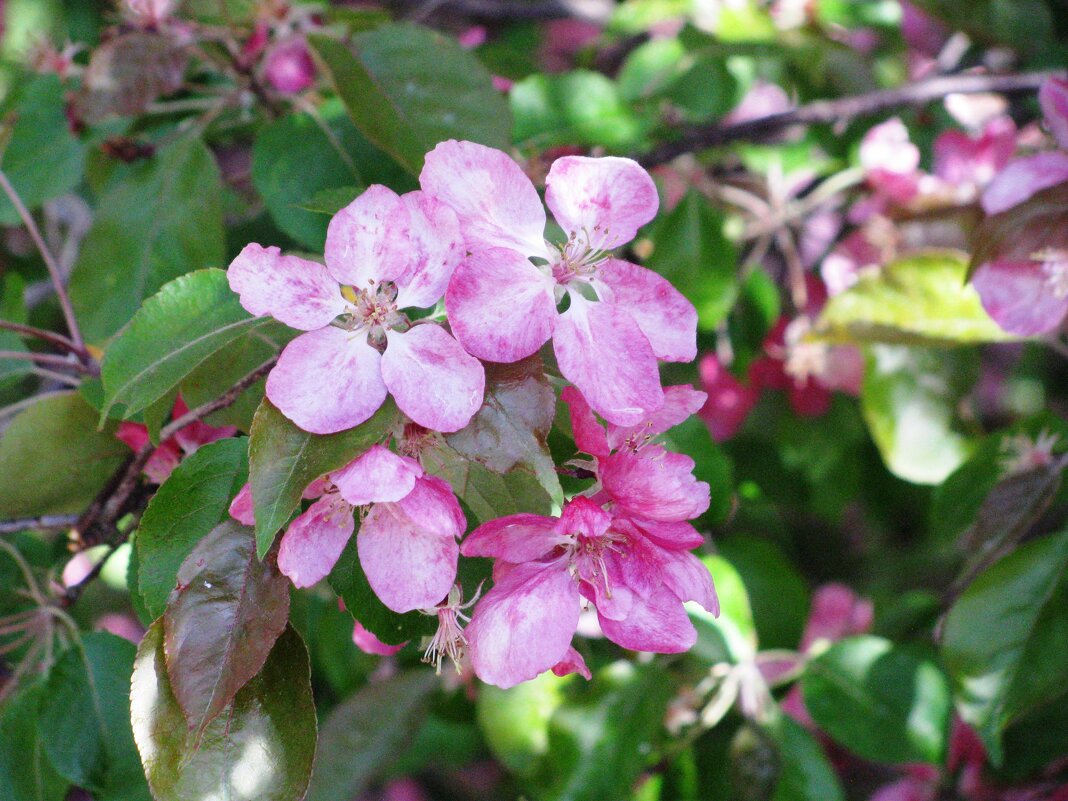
point(502, 305)
point(288, 66)
point(972, 162)
point(729, 400)
point(546, 566)
point(384, 253)
point(370, 644)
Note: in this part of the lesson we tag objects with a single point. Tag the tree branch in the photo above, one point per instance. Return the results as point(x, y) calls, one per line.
point(49, 359)
point(50, 337)
point(221, 402)
point(43, 523)
point(842, 110)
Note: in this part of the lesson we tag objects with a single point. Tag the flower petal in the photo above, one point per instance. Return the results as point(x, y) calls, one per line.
point(601, 350)
point(524, 625)
point(434, 380)
point(368, 240)
point(1023, 178)
point(501, 307)
point(601, 200)
point(378, 476)
point(674, 535)
point(680, 403)
point(583, 516)
point(1016, 295)
point(572, 663)
point(656, 623)
point(370, 644)
point(327, 381)
point(589, 434)
point(686, 576)
point(314, 541)
point(655, 484)
point(298, 292)
point(495, 201)
point(729, 400)
point(667, 319)
point(436, 248)
point(1053, 95)
point(241, 507)
point(515, 538)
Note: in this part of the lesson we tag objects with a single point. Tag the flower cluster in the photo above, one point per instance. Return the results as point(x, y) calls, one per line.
point(470, 247)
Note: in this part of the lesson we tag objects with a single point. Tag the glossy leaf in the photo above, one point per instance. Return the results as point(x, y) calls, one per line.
point(161, 220)
point(52, 458)
point(189, 504)
point(285, 459)
point(880, 701)
point(366, 733)
point(731, 636)
point(805, 774)
point(221, 622)
point(25, 772)
point(260, 749)
point(515, 722)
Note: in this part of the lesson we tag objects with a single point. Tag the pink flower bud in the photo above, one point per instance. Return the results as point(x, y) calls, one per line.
point(289, 68)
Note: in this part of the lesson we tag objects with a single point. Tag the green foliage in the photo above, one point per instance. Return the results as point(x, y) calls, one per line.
point(805, 774)
point(25, 772)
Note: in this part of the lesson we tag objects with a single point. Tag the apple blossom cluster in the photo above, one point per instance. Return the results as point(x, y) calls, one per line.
point(415, 292)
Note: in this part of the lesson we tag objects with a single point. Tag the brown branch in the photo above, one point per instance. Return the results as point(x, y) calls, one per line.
point(595, 11)
point(49, 359)
point(60, 341)
point(221, 402)
point(43, 523)
point(821, 112)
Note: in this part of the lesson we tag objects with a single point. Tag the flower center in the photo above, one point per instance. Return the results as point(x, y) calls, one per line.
point(449, 640)
point(586, 558)
point(373, 309)
point(578, 258)
point(1055, 269)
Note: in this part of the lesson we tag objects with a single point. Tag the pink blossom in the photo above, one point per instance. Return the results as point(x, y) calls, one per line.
point(502, 306)
point(890, 161)
point(384, 253)
point(288, 66)
point(149, 14)
point(729, 400)
point(1053, 96)
point(970, 163)
point(370, 644)
point(922, 32)
point(546, 566)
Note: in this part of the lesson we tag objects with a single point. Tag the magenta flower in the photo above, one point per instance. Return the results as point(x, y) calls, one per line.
point(171, 451)
point(288, 66)
point(729, 400)
point(502, 305)
point(384, 253)
point(546, 566)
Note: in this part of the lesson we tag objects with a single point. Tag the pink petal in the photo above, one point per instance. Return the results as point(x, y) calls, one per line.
point(686, 576)
point(368, 239)
point(296, 291)
point(408, 549)
point(590, 435)
point(886, 148)
point(836, 612)
point(200, 433)
point(379, 475)
point(162, 462)
point(515, 538)
point(572, 663)
point(655, 484)
point(434, 380)
point(674, 535)
point(666, 318)
point(729, 400)
point(241, 507)
point(1053, 95)
point(501, 307)
point(601, 350)
point(583, 516)
point(314, 541)
point(1017, 296)
point(317, 488)
point(327, 380)
point(603, 201)
point(135, 435)
point(370, 644)
point(524, 625)
point(436, 248)
point(680, 403)
point(494, 199)
point(1023, 178)
point(656, 623)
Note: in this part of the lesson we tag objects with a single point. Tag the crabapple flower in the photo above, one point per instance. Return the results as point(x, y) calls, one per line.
point(545, 567)
point(171, 451)
point(502, 305)
point(384, 253)
point(288, 66)
point(729, 400)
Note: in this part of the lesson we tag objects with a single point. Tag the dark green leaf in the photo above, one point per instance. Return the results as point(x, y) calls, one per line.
point(221, 622)
point(331, 201)
point(260, 749)
point(804, 772)
point(189, 504)
point(25, 772)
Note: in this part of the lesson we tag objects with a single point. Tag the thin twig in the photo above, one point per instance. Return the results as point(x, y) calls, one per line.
point(60, 341)
point(50, 359)
point(221, 402)
point(43, 523)
point(843, 110)
point(595, 11)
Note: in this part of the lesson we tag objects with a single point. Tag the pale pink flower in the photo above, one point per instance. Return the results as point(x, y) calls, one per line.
point(150, 14)
point(502, 305)
point(384, 253)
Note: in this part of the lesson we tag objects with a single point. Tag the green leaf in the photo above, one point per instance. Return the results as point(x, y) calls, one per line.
point(83, 719)
point(488, 494)
point(1003, 642)
point(408, 88)
point(25, 772)
point(285, 459)
point(161, 220)
point(731, 636)
point(178, 330)
point(331, 201)
point(189, 504)
point(351, 584)
point(909, 401)
point(13, 310)
point(260, 749)
point(919, 300)
point(42, 159)
point(690, 250)
point(804, 772)
point(52, 458)
point(880, 701)
point(367, 733)
point(221, 621)
point(515, 722)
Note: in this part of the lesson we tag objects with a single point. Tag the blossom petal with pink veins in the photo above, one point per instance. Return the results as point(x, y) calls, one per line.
point(436, 246)
point(368, 239)
point(524, 625)
point(515, 538)
point(318, 487)
point(433, 379)
point(572, 663)
point(327, 380)
point(583, 516)
point(655, 484)
point(495, 201)
point(432, 506)
point(1053, 95)
point(675, 535)
point(241, 507)
point(686, 576)
point(300, 293)
point(666, 318)
point(603, 352)
point(602, 201)
point(680, 403)
point(1016, 294)
point(378, 476)
point(656, 623)
point(314, 541)
point(370, 644)
point(589, 434)
point(1023, 178)
point(501, 307)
